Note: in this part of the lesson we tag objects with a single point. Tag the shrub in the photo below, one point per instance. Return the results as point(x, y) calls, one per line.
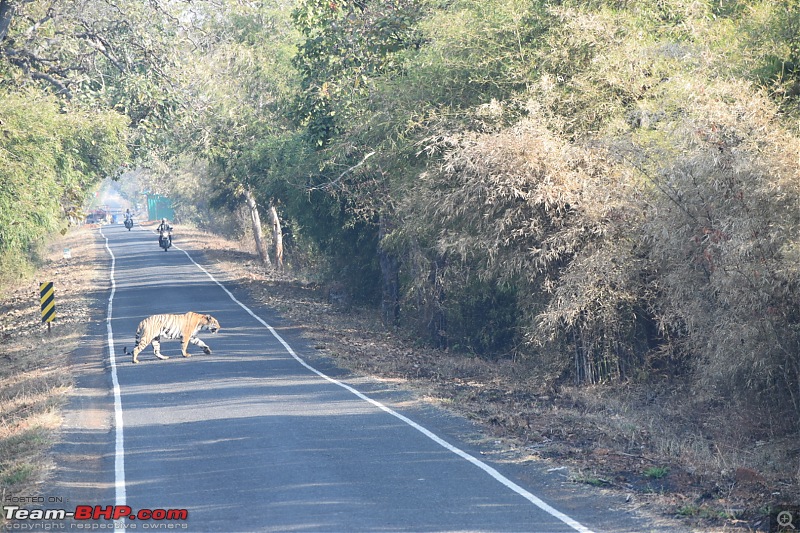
point(722, 229)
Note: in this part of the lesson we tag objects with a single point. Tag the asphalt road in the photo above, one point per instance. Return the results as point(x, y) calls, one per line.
point(265, 435)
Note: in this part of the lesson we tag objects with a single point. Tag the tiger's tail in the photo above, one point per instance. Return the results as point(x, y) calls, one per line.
point(136, 341)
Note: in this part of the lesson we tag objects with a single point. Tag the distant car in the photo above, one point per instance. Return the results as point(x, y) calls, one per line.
point(98, 217)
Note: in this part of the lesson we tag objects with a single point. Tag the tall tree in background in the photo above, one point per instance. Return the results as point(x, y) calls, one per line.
point(347, 44)
point(347, 48)
point(235, 117)
point(83, 85)
point(97, 54)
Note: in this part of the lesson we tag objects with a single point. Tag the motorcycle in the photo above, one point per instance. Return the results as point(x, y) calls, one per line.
point(129, 223)
point(165, 240)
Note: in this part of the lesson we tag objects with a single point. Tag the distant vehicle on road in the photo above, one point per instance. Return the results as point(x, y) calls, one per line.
point(98, 216)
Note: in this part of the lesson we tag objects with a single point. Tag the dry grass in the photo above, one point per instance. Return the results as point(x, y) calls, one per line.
point(34, 372)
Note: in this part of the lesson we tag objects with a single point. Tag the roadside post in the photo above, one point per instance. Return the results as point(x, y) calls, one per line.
point(48, 299)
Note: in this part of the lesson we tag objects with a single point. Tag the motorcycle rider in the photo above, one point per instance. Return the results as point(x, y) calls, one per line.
point(164, 231)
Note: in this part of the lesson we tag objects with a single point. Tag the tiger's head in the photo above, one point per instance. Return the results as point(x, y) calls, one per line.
point(210, 323)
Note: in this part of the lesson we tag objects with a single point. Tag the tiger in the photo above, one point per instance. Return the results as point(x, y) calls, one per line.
point(185, 327)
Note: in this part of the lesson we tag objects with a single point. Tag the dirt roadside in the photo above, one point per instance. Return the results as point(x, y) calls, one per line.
point(34, 381)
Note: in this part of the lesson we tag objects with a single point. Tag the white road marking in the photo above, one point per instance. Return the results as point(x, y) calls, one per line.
point(119, 452)
point(574, 524)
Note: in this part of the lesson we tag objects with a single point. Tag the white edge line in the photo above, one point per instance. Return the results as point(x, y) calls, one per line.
point(574, 524)
point(119, 449)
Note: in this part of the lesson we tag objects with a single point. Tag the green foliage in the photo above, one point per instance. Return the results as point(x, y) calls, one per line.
point(235, 117)
point(657, 472)
point(475, 51)
point(770, 47)
point(100, 55)
point(346, 45)
point(50, 158)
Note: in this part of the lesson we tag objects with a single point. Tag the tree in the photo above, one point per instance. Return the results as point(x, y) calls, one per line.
point(347, 44)
point(96, 74)
point(277, 236)
point(49, 160)
point(237, 84)
point(98, 54)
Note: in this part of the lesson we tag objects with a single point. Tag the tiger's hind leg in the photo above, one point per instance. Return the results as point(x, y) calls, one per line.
point(184, 345)
point(140, 345)
point(157, 348)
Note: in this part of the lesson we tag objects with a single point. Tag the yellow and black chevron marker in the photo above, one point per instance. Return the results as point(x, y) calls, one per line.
point(48, 302)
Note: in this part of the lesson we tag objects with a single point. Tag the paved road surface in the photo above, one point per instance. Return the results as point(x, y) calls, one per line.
point(250, 439)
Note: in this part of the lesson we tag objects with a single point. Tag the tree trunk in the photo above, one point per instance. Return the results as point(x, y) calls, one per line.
point(277, 237)
point(6, 14)
point(390, 276)
point(258, 233)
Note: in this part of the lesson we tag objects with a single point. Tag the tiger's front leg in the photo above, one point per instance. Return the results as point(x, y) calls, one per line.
point(198, 342)
point(157, 349)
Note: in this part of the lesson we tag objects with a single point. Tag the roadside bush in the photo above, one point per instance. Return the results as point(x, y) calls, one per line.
point(537, 224)
point(722, 226)
point(50, 157)
point(675, 243)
